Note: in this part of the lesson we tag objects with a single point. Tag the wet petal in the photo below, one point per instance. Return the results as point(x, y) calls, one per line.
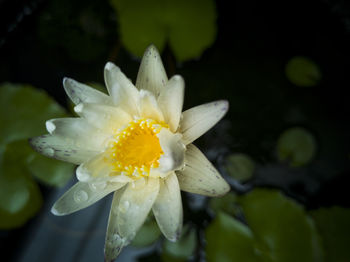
point(151, 75)
point(114, 243)
point(134, 206)
point(62, 148)
point(81, 93)
point(82, 195)
point(174, 151)
point(149, 107)
point(198, 120)
point(97, 167)
point(124, 94)
point(107, 118)
point(171, 101)
point(167, 208)
point(77, 129)
point(200, 176)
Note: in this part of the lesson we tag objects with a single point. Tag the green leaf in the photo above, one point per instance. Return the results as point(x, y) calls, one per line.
point(148, 234)
point(24, 111)
point(230, 240)
point(189, 30)
point(226, 203)
point(281, 227)
point(20, 196)
point(278, 229)
point(23, 115)
point(182, 249)
point(333, 224)
point(296, 145)
point(302, 71)
point(240, 166)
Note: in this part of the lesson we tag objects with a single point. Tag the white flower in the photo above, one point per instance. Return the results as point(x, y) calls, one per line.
point(136, 142)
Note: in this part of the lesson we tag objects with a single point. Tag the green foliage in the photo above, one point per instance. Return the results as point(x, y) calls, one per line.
point(182, 249)
point(277, 230)
point(333, 224)
point(240, 166)
point(187, 26)
point(302, 71)
point(226, 203)
point(23, 115)
point(148, 234)
point(297, 145)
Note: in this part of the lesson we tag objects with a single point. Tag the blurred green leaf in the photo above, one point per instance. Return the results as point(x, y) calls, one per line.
point(277, 230)
point(296, 145)
point(24, 111)
point(20, 196)
point(230, 240)
point(333, 225)
point(302, 71)
point(281, 226)
point(188, 26)
point(226, 203)
point(182, 249)
point(148, 234)
point(240, 166)
point(23, 115)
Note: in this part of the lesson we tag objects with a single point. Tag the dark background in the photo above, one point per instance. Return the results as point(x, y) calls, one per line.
point(245, 65)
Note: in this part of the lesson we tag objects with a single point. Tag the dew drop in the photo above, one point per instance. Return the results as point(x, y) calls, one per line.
point(97, 186)
point(80, 196)
point(49, 151)
point(123, 207)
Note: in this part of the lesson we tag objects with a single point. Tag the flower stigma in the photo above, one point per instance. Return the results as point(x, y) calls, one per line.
point(135, 149)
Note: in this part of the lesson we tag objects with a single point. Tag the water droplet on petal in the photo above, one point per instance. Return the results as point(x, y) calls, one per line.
point(49, 151)
point(80, 196)
point(123, 207)
point(97, 186)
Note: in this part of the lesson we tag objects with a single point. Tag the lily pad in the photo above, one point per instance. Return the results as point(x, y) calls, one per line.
point(240, 166)
point(182, 249)
point(23, 115)
point(333, 225)
point(20, 196)
point(189, 27)
point(297, 145)
point(148, 234)
point(277, 229)
point(302, 71)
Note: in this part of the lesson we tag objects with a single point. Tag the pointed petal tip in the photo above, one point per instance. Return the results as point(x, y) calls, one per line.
point(50, 126)
point(111, 66)
point(79, 108)
point(152, 48)
point(55, 212)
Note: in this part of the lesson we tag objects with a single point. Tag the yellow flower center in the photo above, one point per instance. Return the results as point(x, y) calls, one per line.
point(136, 149)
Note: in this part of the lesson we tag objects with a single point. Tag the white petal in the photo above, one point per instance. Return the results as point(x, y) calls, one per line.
point(151, 75)
point(171, 101)
point(114, 243)
point(82, 195)
point(121, 89)
point(62, 148)
point(174, 151)
point(95, 168)
point(77, 129)
point(134, 206)
point(149, 107)
point(81, 93)
point(167, 208)
point(200, 176)
point(198, 120)
point(107, 118)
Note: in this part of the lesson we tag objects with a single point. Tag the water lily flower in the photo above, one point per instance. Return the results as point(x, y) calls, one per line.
point(137, 143)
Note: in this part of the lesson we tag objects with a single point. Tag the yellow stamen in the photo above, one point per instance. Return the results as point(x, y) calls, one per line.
point(135, 149)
